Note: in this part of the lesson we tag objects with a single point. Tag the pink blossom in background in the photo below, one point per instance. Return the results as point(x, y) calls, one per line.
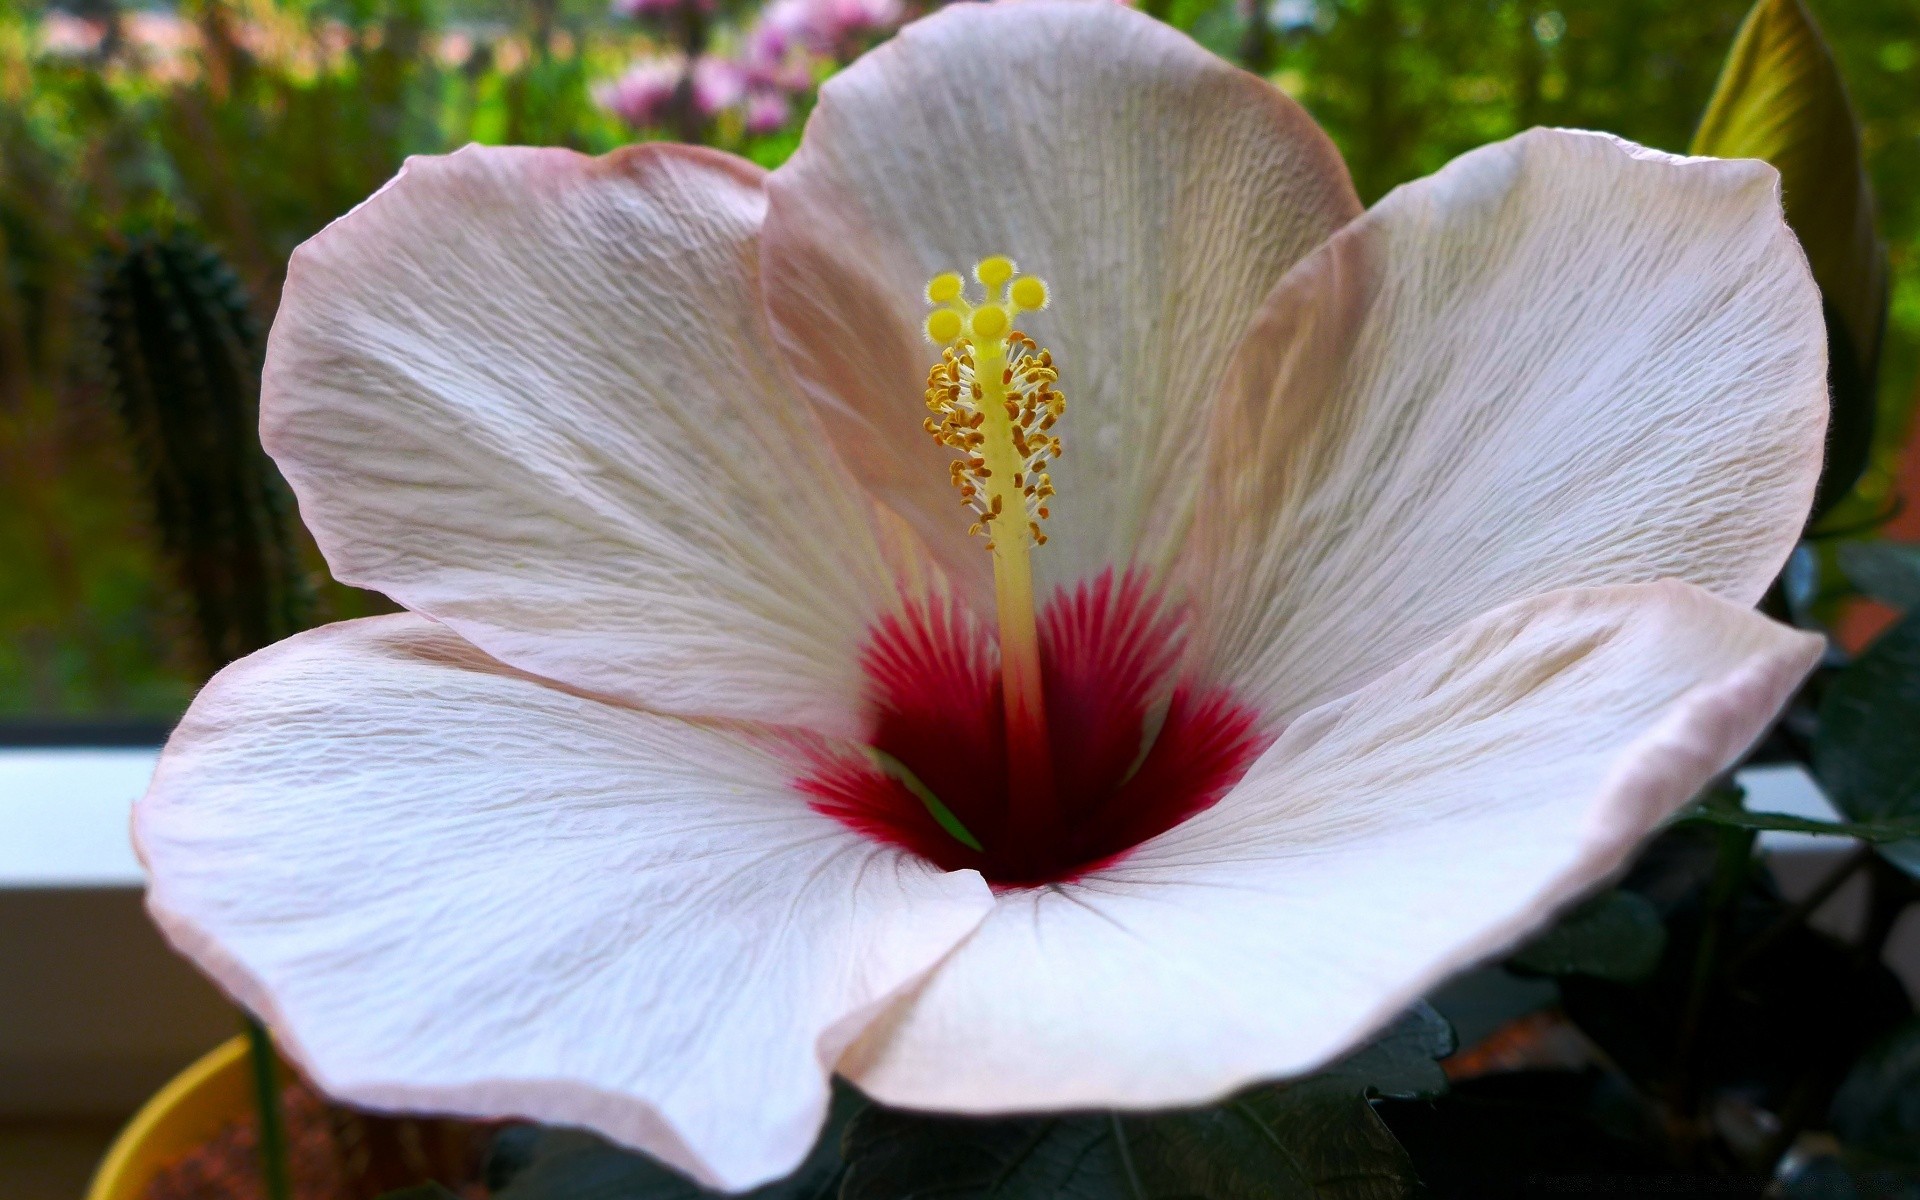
point(63, 35)
point(656, 8)
point(831, 28)
point(773, 60)
point(643, 96)
point(772, 51)
point(767, 111)
point(718, 84)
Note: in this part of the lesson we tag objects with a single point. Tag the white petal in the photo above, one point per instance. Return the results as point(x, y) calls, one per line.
point(1562, 361)
point(1160, 192)
point(533, 395)
point(450, 887)
point(1383, 842)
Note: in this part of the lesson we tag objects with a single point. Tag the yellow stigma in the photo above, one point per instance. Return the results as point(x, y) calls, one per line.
point(944, 288)
point(989, 322)
point(944, 325)
point(994, 404)
point(992, 272)
point(993, 399)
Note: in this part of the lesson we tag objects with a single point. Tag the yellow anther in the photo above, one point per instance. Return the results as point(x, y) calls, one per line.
point(1028, 292)
point(992, 272)
point(944, 324)
point(990, 322)
point(945, 288)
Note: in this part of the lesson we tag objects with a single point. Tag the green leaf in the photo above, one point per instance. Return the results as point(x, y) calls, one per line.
point(1403, 1062)
point(1780, 98)
point(1616, 935)
point(533, 1163)
point(1866, 831)
point(1877, 1109)
point(421, 1191)
point(1314, 1139)
point(893, 1155)
point(1318, 1139)
point(1851, 1177)
point(577, 1166)
point(1887, 571)
point(1866, 753)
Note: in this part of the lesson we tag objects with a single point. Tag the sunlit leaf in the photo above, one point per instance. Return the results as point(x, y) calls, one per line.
point(1780, 98)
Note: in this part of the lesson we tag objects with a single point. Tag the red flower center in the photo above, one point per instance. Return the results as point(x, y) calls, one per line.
point(1109, 651)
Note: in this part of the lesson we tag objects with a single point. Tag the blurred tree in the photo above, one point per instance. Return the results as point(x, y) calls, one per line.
point(1405, 85)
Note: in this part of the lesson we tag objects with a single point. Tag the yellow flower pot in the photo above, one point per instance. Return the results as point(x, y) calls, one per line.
point(217, 1088)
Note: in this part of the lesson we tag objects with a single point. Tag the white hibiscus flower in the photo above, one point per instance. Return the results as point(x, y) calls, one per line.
point(1396, 582)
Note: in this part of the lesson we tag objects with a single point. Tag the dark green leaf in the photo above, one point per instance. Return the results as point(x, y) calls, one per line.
point(1851, 1177)
point(1317, 1139)
point(512, 1151)
point(568, 1165)
point(531, 1163)
point(1866, 753)
point(1886, 571)
point(1877, 1108)
point(1534, 1134)
point(1615, 935)
point(1403, 1061)
point(1780, 98)
point(894, 1155)
point(1314, 1139)
point(1866, 831)
point(1796, 1009)
point(421, 1191)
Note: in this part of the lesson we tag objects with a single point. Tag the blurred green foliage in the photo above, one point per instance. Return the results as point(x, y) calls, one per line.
point(257, 122)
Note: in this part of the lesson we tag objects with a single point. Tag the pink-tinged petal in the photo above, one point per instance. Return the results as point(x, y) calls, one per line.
point(451, 887)
point(533, 395)
point(1160, 192)
point(1386, 840)
point(1563, 361)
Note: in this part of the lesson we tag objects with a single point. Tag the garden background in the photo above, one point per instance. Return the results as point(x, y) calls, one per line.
point(252, 123)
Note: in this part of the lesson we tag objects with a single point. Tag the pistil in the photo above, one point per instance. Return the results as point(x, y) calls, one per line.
point(993, 394)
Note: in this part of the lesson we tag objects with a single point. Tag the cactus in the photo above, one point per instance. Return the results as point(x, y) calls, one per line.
point(182, 355)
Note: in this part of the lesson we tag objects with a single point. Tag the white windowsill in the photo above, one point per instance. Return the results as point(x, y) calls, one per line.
point(64, 815)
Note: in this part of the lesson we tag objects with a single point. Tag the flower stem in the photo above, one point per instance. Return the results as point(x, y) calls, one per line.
point(266, 1098)
point(1733, 858)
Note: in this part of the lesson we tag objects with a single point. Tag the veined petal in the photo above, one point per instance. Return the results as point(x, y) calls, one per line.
point(1160, 192)
point(1386, 840)
point(451, 887)
point(533, 395)
point(1562, 361)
